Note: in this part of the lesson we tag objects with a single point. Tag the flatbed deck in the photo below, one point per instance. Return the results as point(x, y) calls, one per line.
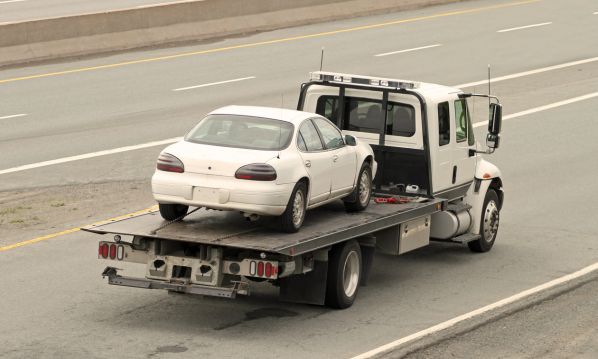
point(324, 226)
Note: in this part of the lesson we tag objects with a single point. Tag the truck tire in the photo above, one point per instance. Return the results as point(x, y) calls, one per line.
point(171, 211)
point(489, 221)
point(344, 275)
point(363, 190)
point(292, 218)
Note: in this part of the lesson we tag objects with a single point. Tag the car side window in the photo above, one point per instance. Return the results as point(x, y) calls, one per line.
point(301, 143)
point(310, 136)
point(331, 135)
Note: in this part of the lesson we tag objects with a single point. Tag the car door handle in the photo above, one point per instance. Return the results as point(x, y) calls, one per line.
point(334, 158)
point(308, 163)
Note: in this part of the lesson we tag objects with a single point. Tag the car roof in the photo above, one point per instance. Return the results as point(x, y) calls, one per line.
point(276, 113)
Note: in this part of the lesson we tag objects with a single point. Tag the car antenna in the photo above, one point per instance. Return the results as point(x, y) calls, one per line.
point(322, 58)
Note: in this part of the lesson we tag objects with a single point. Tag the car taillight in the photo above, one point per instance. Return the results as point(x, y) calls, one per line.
point(262, 269)
point(169, 163)
point(256, 172)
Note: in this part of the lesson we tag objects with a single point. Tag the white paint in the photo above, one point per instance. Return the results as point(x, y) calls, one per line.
point(528, 73)
point(90, 155)
point(408, 50)
point(167, 3)
point(543, 108)
point(595, 13)
point(9, 1)
point(13, 116)
point(496, 305)
point(214, 83)
point(525, 27)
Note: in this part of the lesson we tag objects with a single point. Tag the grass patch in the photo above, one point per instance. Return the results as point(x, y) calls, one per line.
point(12, 210)
point(57, 204)
point(16, 221)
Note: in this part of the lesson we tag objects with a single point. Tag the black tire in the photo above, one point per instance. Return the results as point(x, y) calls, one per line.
point(170, 211)
point(488, 224)
point(361, 195)
point(341, 290)
point(288, 220)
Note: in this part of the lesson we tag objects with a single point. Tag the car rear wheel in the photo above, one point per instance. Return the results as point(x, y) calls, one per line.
point(171, 211)
point(363, 190)
point(293, 216)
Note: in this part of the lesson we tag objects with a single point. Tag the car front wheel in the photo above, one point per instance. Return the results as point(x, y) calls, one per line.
point(363, 190)
point(293, 216)
point(171, 211)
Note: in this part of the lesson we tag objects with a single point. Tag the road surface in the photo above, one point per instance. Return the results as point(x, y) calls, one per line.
point(54, 303)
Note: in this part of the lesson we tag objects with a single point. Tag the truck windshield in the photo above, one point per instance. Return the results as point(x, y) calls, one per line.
point(239, 131)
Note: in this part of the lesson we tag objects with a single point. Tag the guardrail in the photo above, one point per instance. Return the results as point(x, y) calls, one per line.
point(54, 38)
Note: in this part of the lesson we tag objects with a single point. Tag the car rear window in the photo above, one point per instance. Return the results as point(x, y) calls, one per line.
point(249, 132)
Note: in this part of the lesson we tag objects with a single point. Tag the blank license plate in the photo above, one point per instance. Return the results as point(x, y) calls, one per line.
point(206, 194)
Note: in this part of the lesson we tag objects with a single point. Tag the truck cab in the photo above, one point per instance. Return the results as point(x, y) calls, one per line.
point(423, 139)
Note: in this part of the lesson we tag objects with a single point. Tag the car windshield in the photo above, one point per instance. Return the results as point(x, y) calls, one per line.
point(239, 131)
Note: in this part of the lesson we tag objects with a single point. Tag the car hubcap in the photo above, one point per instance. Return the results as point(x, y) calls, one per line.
point(351, 274)
point(364, 187)
point(298, 208)
point(491, 218)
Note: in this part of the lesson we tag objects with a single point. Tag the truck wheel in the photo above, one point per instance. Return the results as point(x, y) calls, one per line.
point(344, 275)
point(363, 190)
point(293, 216)
point(488, 224)
point(171, 211)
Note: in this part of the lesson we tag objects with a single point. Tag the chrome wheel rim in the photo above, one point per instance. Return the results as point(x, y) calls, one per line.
point(298, 208)
point(351, 274)
point(364, 187)
point(491, 219)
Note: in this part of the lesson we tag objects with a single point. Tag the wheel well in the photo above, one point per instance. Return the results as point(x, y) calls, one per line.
point(496, 185)
point(368, 159)
point(306, 181)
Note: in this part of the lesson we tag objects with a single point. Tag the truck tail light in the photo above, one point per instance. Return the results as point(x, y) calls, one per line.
point(169, 163)
point(111, 251)
point(256, 172)
point(262, 269)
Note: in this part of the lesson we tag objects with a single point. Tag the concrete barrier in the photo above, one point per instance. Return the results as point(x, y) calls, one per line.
point(55, 38)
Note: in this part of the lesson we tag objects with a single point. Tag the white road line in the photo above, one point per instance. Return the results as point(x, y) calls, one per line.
point(595, 13)
point(158, 143)
point(167, 3)
point(496, 305)
point(12, 116)
point(89, 155)
point(214, 83)
point(527, 73)
point(525, 27)
point(543, 108)
point(9, 1)
point(408, 50)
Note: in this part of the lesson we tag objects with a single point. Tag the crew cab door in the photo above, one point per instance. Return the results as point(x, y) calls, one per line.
point(344, 159)
point(317, 161)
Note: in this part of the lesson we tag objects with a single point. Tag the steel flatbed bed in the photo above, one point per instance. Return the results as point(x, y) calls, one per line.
point(323, 227)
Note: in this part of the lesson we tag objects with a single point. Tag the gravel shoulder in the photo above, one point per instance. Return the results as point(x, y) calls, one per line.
point(29, 213)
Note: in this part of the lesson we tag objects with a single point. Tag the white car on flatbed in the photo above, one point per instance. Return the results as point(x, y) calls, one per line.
point(263, 161)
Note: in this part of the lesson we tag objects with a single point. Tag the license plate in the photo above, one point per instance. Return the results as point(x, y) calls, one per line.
point(206, 194)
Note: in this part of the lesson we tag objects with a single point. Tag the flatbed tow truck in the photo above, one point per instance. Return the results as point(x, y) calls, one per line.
point(431, 184)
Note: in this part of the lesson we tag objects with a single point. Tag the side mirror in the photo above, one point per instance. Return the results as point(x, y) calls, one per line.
point(492, 140)
point(350, 140)
point(495, 121)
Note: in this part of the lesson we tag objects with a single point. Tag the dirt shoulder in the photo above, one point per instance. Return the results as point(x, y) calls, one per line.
point(29, 213)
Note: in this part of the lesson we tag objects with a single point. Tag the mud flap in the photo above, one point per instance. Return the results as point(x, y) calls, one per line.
point(308, 288)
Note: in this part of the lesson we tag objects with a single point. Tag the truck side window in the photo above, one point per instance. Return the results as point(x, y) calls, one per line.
point(444, 124)
point(311, 137)
point(464, 129)
point(327, 106)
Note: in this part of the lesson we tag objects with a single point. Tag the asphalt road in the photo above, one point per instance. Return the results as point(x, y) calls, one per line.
point(53, 302)
point(22, 10)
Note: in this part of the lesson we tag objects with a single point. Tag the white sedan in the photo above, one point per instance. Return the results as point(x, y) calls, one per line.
point(263, 161)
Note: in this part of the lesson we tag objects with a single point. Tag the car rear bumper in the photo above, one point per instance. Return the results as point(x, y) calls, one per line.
point(220, 192)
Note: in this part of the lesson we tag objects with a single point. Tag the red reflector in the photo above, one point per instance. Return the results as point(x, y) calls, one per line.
point(260, 269)
point(105, 250)
point(268, 270)
point(112, 251)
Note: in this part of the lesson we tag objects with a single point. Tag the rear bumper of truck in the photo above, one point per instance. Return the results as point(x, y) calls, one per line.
point(181, 286)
